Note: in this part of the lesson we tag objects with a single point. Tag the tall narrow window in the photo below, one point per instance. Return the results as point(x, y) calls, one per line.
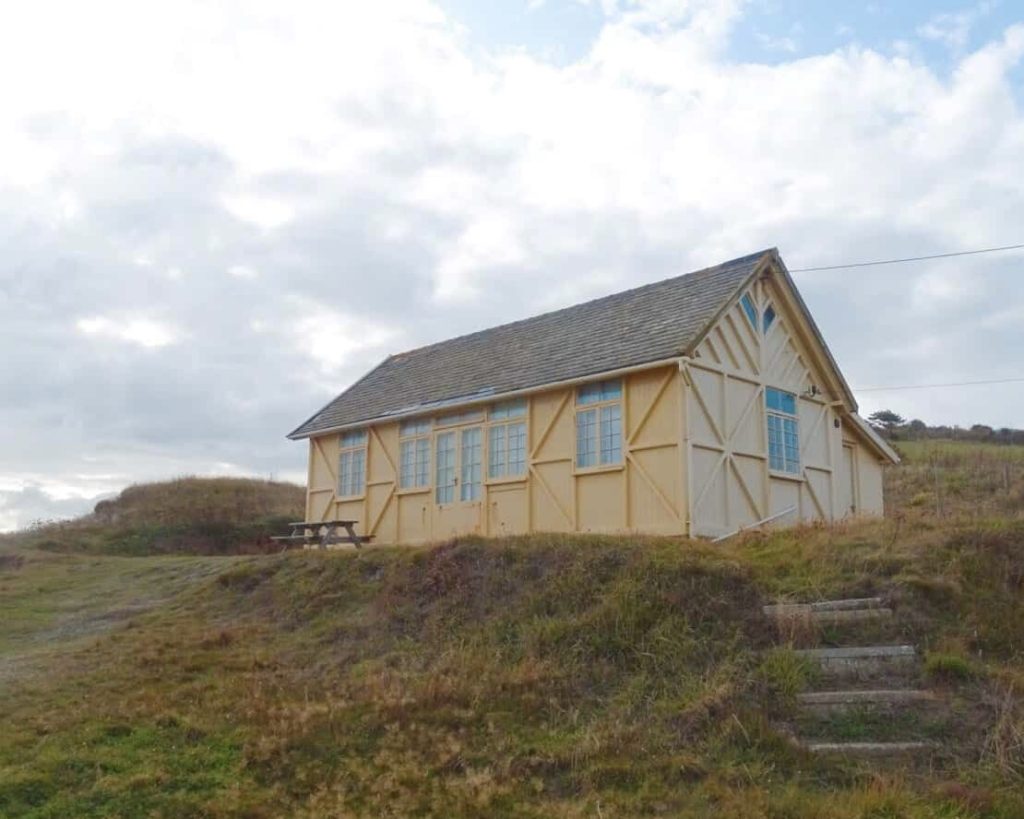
point(506, 440)
point(599, 424)
point(783, 431)
point(414, 454)
point(472, 457)
point(749, 309)
point(444, 461)
point(352, 464)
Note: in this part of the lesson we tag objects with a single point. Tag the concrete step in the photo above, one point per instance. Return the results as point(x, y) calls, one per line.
point(871, 748)
point(874, 698)
point(848, 604)
point(836, 617)
point(862, 662)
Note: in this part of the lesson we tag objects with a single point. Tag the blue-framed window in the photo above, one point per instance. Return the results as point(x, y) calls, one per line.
point(414, 454)
point(762, 322)
point(506, 456)
point(599, 426)
point(506, 442)
point(599, 391)
point(749, 309)
point(783, 431)
point(352, 464)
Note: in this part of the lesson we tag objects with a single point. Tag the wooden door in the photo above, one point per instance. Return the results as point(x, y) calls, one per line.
point(848, 483)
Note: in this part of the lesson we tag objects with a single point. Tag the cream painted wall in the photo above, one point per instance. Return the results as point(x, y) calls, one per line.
point(726, 446)
point(643, 494)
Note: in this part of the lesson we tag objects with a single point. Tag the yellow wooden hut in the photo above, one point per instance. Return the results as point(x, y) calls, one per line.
point(698, 405)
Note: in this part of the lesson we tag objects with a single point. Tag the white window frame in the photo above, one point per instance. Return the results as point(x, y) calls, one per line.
point(471, 473)
point(784, 427)
point(603, 402)
point(414, 455)
point(352, 461)
point(508, 421)
point(442, 467)
point(462, 474)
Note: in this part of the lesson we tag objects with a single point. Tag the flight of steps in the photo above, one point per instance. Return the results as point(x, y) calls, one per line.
point(867, 698)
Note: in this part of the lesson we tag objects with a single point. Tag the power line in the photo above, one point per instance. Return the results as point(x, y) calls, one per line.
point(940, 386)
point(908, 259)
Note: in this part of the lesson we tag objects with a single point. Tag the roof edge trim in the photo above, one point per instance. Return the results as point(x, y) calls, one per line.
point(488, 399)
point(766, 258)
point(877, 441)
point(830, 360)
point(294, 434)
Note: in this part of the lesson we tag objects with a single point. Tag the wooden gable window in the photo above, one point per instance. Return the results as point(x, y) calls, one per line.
point(759, 322)
point(599, 424)
point(352, 464)
point(414, 454)
point(506, 440)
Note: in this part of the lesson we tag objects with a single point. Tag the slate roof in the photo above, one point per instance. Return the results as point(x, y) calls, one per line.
point(649, 323)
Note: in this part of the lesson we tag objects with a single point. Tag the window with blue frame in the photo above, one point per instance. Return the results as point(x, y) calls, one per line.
point(352, 464)
point(414, 454)
point(750, 309)
point(759, 322)
point(783, 431)
point(506, 440)
point(599, 424)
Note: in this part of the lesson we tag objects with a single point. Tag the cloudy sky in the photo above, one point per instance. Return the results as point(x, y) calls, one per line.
point(215, 215)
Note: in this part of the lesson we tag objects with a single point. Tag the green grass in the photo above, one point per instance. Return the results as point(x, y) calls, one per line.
point(539, 676)
point(951, 480)
point(958, 452)
point(946, 667)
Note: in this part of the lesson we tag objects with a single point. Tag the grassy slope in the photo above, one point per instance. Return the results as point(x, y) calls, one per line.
point(182, 516)
point(541, 676)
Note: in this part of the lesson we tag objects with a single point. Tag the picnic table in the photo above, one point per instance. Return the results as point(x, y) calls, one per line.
point(323, 533)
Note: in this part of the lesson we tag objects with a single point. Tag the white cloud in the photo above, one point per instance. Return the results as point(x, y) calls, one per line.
point(328, 338)
point(260, 210)
point(953, 29)
point(141, 331)
point(379, 180)
point(241, 271)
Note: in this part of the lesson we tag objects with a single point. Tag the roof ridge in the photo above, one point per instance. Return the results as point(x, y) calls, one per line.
point(615, 295)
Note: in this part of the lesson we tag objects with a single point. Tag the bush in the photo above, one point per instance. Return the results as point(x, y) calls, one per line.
point(785, 674)
point(949, 667)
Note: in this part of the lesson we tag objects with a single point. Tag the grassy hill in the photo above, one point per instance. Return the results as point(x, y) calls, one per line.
point(539, 676)
point(182, 516)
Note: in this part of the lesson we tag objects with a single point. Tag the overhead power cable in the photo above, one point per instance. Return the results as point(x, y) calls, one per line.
point(907, 259)
point(940, 386)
